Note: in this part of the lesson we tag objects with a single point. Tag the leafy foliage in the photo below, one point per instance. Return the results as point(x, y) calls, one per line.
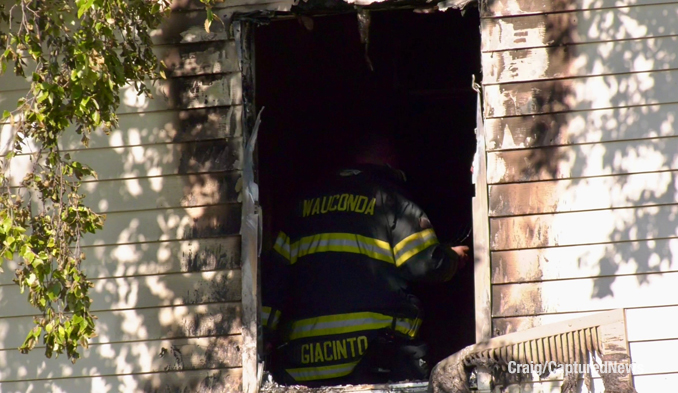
point(78, 54)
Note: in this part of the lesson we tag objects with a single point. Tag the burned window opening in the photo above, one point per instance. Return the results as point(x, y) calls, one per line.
point(318, 89)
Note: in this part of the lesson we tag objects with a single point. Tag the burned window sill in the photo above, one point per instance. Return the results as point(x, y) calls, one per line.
point(401, 387)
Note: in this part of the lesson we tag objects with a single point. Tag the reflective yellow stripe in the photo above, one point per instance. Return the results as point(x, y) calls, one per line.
point(414, 244)
point(265, 314)
point(338, 324)
point(413, 239)
point(342, 242)
point(407, 326)
point(325, 372)
point(282, 245)
point(275, 319)
point(269, 317)
point(350, 323)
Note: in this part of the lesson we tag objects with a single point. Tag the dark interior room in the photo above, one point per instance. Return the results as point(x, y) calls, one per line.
point(319, 91)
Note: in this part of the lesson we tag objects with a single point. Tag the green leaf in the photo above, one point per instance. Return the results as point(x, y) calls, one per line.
point(83, 6)
point(43, 96)
point(81, 90)
point(6, 224)
point(54, 291)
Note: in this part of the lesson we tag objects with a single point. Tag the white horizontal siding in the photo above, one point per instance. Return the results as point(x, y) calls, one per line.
point(581, 194)
point(642, 324)
point(223, 380)
point(580, 161)
point(115, 358)
point(150, 161)
point(167, 224)
point(125, 293)
point(583, 93)
point(144, 324)
point(173, 93)
point(586, 294)
point(569, 229)
point(584, 261)
point(642, 383)
point(599, 25)
point(591, 59)
point(580, 105)
point(166, 266)
point(498, 8)
point(153, 258)
point(200, 58)
point(168, 191)
point(574, 128)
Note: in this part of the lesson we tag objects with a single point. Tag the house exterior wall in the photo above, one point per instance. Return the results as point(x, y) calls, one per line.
point(166, 267)
point(582, 151)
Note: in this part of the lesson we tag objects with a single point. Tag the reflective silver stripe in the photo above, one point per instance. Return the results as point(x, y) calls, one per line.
point(325, 372)
point(351, 322)
point(341, 326)
point(275, 319)
point(318, 244)
point(282, 245)
point(294, 252)
point(269, 317)
point(338, 324)
point(407, 326)
point(342, 242)
point(413, 244)
point(264, 317)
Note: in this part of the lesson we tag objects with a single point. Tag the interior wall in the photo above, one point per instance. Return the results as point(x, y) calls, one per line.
point(319, 92)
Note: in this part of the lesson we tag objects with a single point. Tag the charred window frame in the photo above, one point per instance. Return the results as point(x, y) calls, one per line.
point(244, 26)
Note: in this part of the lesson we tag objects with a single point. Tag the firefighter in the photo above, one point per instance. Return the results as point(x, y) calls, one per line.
point(336, 305)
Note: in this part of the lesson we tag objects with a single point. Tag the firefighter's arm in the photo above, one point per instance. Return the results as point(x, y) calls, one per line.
point(275, 283)
point(418, 253)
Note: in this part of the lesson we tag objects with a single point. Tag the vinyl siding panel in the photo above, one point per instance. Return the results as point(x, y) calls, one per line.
point(585, 294)
point(587, 93)
point(573, 128)
point(222, 380)
point(580, 110)
point(190, 125)
point(584, 261)
point(185, 92)
point(498, 8)
point(153, 356)
point(155, 258)
point(598, 25)
point(145, 291)
point(148, 324)
point(181, 60)
point(582, 194)
point(166, 266)
point(651, 54)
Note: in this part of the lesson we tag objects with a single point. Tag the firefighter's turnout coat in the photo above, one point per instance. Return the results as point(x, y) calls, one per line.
point(339, 272)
